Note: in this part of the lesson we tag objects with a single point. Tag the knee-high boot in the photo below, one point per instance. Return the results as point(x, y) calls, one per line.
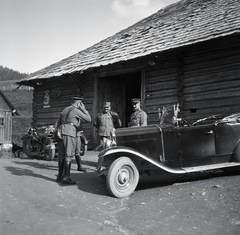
point(60, 169)
point(79, 166)
point(66, 177)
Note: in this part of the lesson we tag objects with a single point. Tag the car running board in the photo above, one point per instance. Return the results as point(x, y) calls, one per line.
point(210, 167)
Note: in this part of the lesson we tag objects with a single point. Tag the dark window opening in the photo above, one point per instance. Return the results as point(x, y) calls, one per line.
point(133, 90)
point(1, 121)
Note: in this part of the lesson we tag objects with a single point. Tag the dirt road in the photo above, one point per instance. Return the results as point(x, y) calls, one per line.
point(31, 202)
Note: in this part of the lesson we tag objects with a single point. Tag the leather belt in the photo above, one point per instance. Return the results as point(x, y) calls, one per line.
point(70, 123)
point(134, 124)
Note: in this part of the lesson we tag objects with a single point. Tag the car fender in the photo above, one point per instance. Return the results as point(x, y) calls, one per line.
point(121, 151)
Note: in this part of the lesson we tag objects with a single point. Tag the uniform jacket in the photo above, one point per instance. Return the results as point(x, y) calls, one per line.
point(105, 122)
point(69, 126)
point(138, 118)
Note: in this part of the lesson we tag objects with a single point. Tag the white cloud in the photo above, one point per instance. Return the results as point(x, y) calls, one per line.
point(137, 9)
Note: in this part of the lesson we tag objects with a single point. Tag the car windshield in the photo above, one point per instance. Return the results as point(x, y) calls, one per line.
point(231, 118)
point(216, 119)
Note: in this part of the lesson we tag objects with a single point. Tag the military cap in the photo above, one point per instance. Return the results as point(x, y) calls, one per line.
point(135, 100)
point(77, 98)
point(107, 104)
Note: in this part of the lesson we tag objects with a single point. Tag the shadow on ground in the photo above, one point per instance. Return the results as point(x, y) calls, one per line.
point(88, 182)
point(91, 183)
point(18, 171)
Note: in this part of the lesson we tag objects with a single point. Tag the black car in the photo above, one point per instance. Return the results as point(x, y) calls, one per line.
point(173, 146)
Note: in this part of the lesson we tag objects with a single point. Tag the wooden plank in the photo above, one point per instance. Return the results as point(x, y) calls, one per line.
point(229, 93)
point(223, 85)
point(217, 77)
point(162, 86)
point(212, 103)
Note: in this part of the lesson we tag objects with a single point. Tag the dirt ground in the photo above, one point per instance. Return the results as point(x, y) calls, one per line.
point(31, 202)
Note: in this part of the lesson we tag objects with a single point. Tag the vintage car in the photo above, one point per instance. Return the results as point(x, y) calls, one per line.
point(173, 146)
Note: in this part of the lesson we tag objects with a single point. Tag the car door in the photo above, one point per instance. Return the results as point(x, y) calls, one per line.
point(227, 136)
point(196, 145)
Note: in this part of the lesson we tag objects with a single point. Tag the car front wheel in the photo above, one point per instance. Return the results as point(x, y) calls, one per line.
point(122, 177)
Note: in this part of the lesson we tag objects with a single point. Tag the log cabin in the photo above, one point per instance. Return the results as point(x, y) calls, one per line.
point(186, 53)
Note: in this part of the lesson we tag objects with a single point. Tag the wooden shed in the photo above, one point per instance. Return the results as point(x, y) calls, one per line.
point(6, 111)
point(187, 52)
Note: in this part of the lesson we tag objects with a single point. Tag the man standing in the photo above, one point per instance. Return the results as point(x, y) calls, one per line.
point(69, 121)
point(106, 123)
point(138, 117)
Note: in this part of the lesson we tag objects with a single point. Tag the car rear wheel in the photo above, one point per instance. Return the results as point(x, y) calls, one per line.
point(122, 177)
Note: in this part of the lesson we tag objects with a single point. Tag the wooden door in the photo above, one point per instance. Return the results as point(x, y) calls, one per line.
point(112, 90)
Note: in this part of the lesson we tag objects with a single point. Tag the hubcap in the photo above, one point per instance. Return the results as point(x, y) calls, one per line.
point(123, 177)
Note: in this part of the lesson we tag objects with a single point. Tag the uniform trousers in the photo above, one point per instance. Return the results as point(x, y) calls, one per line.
point(69, 144)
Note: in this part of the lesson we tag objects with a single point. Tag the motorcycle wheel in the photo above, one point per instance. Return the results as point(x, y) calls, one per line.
point(31, 148)
point(49, 153)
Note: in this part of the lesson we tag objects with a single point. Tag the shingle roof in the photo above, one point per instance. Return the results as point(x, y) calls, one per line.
point(183, 23)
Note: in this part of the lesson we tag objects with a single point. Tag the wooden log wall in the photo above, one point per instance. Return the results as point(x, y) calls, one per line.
point(61, 90)
point(160, 85)
point(204, 79)
point(211, 74)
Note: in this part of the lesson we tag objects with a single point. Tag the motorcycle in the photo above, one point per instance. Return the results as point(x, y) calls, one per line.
point(40, 142)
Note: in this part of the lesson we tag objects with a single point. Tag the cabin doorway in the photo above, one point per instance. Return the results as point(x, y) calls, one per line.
point(119, 90)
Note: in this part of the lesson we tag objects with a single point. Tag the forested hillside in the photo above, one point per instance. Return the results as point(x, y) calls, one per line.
point(7, 74)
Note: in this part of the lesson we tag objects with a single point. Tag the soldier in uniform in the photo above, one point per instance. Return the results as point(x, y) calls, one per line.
point(69, 122)
point(138, 117)
point(106, 123)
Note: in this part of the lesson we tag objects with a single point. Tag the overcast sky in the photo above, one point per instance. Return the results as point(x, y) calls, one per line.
point(38, 33)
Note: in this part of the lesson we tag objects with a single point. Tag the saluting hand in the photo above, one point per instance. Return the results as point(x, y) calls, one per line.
point(81, 106)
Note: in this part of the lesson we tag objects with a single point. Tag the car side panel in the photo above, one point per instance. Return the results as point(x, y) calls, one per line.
point(146, 140)
point(196, 142)
point(227, 136)
point(188, 146)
